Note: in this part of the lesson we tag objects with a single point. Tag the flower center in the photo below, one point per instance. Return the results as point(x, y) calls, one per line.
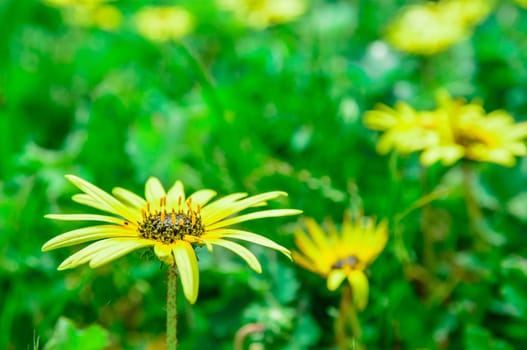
point(168, 226)
point(349, 261)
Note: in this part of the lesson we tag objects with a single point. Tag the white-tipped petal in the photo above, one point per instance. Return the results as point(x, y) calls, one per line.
point(254, 216)
point(154, 191)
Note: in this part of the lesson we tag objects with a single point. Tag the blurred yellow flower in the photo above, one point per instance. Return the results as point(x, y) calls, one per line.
point(173, 224)
point(89, 13)
point(435, 26)
point(454, 130)
point(264, 13)
point(345, 255)
point(405, 129)
point(466, 131)
point(164, 23)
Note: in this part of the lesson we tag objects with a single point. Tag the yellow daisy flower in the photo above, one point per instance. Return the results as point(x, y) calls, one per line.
point(261, 14)
point(466, 131)
point(435, 26)
point(339, 256)
point(173, 224)
point(90, 13)
point(405, 129)
point(164, 23)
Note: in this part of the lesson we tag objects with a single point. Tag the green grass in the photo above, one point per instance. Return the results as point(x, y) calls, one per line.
point(236, 109)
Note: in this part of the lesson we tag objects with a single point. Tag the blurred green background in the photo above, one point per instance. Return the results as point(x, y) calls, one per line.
point(235, 107)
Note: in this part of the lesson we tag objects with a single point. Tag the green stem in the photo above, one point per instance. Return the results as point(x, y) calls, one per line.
point(171, 308)
point(347, 318)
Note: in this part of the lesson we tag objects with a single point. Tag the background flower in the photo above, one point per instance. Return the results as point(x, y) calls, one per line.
point(342, 255)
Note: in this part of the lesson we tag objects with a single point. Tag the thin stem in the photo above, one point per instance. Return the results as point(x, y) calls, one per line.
point(347, 318)
point(171, 308)
point(244, 332)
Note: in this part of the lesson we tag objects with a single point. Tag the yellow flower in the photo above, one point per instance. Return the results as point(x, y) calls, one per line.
point(173, 224)
point(90, 13)
point(264, 13)
point(406, 130)
point(466, 131)
point(164, 23)
point(433, 27)
point(339, 256)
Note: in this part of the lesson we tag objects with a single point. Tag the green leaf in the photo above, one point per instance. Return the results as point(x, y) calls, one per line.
point(66, 335)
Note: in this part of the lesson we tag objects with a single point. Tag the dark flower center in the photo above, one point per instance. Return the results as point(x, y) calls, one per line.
point(350, 261)
point(169, 226)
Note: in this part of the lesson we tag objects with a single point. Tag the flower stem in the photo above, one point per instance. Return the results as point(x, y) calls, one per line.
point(347, 318)
point(171, 308)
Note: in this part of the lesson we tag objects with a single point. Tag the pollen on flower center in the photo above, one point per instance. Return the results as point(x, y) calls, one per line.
point(169, 225)
point(349, 261)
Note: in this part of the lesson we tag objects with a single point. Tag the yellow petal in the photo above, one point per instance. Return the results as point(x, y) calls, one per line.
point(304, 262)
point(335, 279)
point(121, 247)
point(359, 288)
point(219, 205)
point(187, 265)
point(243, 252)
point(253, 216)
point(103, 251)
point(306, 245)
point(101, 196)
point(202, 197)
point(154, 191)
point(174, 193)
point(85, 217)
point(87, 234)
point(249, 237)
point(129, 197)
point(317, 234)
point(236, 207)
point(86, 199)
point(164, 253)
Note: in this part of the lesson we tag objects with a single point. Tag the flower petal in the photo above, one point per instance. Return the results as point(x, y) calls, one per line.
point(154, 191)
point(202, 197)
point(304, 262)
point(243, 252)
point(129, 197)
point(164, 253)
point(359, 288)
point(253, 216)
point(213, 209)
point(121, 247)
point(101, 196)
point(187, 265)
point(176, 192)
point(86, 217)
point(103, 251)
point(86, 199)
point(249, 237)
point(335, 279)
point(236, 207)
point(87, 234)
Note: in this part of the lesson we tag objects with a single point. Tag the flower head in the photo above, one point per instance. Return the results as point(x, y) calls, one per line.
point(173, 224)
point(261, 14)
point(406, 130)
point(337, 256)
point(89, 13)
point(466, 131)
point(454, 130)
point(435, 26)
point(164, 23)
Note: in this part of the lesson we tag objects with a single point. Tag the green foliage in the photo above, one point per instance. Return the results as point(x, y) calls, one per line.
point(238, 109)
